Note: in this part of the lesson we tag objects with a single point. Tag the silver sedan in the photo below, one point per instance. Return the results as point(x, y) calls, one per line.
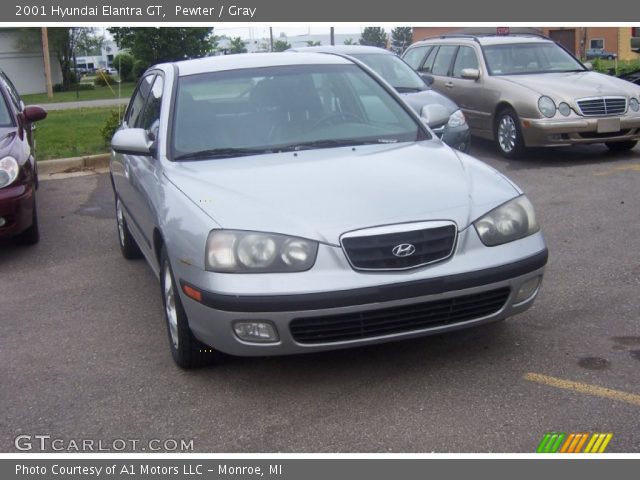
point(295, 203)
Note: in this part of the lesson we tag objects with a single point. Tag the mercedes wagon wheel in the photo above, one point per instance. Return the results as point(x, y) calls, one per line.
point(186, 350)
point(508, 134)
point(128, 245)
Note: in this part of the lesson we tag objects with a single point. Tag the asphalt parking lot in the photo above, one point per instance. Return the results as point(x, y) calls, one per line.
point(84, 352)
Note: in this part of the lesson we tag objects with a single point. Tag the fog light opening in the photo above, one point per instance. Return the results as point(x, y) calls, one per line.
point(256, 331)
point(527, 289)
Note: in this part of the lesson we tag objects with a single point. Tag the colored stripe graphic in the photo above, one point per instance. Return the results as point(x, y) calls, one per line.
point(598, 443)
point(551, 442)
point(555, 442)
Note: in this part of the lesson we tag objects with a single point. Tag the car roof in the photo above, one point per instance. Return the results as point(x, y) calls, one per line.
point(343, 49)
point(254, 60)
point(486, 39)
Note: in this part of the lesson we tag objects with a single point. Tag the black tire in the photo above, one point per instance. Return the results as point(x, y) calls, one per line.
point(31, 235)
point(508, 134)
point(621, 146)
point(128, 246)
point(610, 57)
point(187, 351)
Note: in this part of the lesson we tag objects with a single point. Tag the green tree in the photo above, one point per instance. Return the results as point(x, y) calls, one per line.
point(374, 36)
point(123, 62)
point(349, 41)
point(281, 46)
point(313, 43)
point(401, 38)
point(156, 45)
point(237, 45)
point(64, 43)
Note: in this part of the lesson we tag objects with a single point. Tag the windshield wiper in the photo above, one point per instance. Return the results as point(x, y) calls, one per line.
point(213, 153)
point(408, 89)
point(343, 142)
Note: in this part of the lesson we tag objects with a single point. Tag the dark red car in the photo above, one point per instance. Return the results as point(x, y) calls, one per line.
point(18, 174)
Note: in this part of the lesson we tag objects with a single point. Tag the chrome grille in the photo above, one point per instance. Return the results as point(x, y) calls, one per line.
point(601, 106)
point(373, 249)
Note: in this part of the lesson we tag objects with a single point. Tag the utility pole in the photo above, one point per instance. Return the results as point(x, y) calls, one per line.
point(333, 37)
point(47, 62)
point(271, 39)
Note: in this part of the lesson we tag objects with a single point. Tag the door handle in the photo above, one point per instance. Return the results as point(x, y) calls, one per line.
point(449, 85)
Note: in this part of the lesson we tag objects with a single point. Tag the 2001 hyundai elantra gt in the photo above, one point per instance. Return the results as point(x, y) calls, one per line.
point(294, 203)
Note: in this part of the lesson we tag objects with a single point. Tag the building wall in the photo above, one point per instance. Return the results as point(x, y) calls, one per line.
point(25, 66)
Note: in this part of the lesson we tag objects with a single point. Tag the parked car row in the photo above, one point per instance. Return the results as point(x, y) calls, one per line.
point(528, 91)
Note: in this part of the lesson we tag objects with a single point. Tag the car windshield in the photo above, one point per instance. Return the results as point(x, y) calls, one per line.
point(400, 75)
point(293, 107)
point(5, 117)
point(526, 58)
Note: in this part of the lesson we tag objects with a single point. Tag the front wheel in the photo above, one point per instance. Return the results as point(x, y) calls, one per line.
point(187, 351)
point(508, 134)
point(31, 235)
point(621, 146)
point(128, 246)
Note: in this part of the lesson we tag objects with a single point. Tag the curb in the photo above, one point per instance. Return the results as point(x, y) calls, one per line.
point(75, 164)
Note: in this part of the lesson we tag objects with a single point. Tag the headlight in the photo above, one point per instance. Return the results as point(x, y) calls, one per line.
point(634, 105)
point(456, 119)
point(9, 169)
point(564, 109)
point(547, 107)
point(510, 221)
point(234, 251)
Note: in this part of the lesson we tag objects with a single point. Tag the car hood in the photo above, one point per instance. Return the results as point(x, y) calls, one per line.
point(417, 100)
point(321, 194)
point(571, 85)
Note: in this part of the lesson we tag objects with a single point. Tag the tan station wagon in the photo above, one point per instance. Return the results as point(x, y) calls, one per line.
point(528, 91)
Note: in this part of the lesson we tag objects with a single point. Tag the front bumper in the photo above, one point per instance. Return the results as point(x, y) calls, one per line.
point(572, 131)
point(16, 209)
point(212, 319)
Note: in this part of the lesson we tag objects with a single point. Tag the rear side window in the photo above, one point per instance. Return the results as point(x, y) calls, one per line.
point(443, 60)
point(415, 55)
point(466, 58)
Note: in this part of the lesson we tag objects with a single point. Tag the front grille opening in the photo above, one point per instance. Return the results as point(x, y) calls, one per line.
point(375, 252)
point(603, 106)
point(405, 318)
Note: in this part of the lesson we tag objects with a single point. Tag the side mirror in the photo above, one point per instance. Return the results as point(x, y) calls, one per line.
point(434, 115)
point(470, 73)
point(426, 78)
point(588, 66)
point(132, 141)
point(32, 113)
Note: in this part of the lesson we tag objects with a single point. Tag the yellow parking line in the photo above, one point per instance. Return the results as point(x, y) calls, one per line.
point(585, 388)
point(633, 167)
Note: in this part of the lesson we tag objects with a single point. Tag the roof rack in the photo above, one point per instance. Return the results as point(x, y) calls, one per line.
point(476, 37)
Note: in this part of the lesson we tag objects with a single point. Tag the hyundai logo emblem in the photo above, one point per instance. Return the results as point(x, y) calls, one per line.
point(403, 250)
